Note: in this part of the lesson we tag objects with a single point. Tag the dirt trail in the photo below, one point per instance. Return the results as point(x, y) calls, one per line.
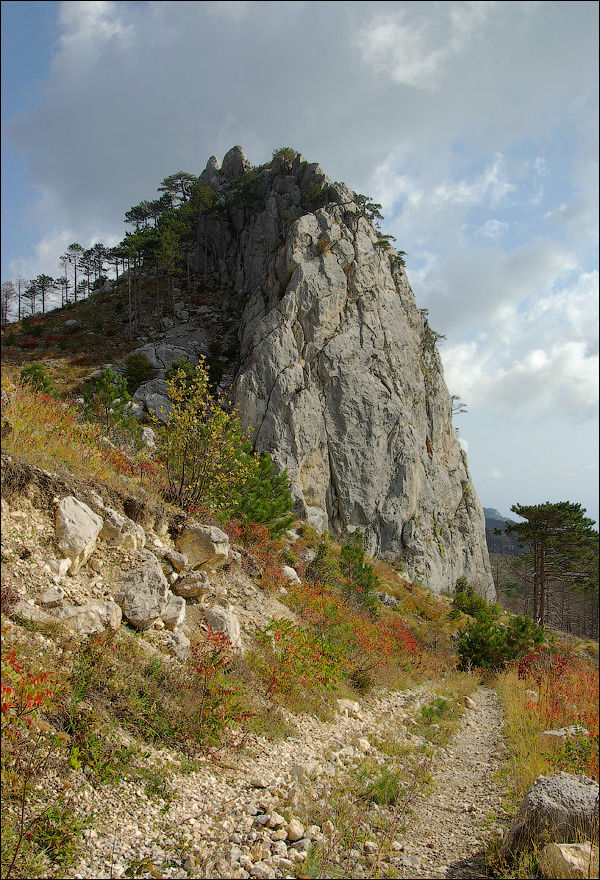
point(212, 816)
point(454, 817)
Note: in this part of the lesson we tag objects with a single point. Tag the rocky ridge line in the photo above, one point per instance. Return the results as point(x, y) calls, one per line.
point(339, 377)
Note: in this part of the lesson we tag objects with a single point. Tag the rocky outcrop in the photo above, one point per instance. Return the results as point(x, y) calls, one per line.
point(77, 528)
point(205, 547)
point(339, 377)
point(562, 808)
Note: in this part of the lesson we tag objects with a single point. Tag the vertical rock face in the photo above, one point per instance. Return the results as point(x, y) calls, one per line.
point(339, 377)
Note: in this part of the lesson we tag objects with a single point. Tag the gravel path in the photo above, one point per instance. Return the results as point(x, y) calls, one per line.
point(454, 817)
point(213, 827)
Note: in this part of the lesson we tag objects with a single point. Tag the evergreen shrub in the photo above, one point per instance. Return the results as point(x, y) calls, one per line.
point(35, 374)
point(266, 498)
point(108, 401)
point(138, 369)
point(362, 580)
point(491, 645)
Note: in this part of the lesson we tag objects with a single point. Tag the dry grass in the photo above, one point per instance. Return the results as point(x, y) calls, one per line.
point(49, 434)
point(45, 434)
point(568, 699)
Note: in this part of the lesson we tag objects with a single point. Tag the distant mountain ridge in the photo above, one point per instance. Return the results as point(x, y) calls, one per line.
point(503, 543)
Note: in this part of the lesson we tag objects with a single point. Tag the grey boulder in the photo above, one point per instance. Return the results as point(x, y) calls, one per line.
point(562, 808)
point(206, 547)
point(143, 592)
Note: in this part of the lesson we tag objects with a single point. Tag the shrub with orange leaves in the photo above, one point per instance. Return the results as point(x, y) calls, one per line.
point(298, 659)
point(213, 698)
point(370, 646)
point(567, 689)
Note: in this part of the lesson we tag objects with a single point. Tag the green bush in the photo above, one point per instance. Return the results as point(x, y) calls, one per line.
point(266, 498)
point(35, 374)
point(206, 453)
point(107, 400)
point(325, 567)
point(138, 370)
point(435, 711)
point(467, 600)
point(57, 832)
point(491, 645)
point(284, 156)
point(173, 372)
point(362, 580)
point(386, 788)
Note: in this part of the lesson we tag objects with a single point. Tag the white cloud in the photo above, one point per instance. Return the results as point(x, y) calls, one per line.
point(490, 186)
point(563, 379)
point(49, 247)
point(496, 474)
point(493, 228)
point(414, 50)
point(88, 24)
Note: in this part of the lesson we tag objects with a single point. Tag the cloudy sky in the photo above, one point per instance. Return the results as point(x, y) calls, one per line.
point(473, 123)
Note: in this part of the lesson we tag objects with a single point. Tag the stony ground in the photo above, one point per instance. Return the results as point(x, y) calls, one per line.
point(302, 805)
point(456, 815)
point(234, 814)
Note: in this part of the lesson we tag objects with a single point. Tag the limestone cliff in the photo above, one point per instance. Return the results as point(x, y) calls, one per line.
point(339, 377)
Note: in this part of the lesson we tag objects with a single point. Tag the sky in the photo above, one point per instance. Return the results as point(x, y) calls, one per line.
point(475, 124)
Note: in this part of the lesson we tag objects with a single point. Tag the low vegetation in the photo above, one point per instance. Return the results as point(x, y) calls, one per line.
point(96, 709)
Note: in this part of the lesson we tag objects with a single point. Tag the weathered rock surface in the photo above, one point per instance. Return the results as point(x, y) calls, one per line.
point(120, 531)
point(77, 528)
point(93, 617)
point(340, 379)
point(178, 560)
point(143, 592)
point(222, 618)
point(176, 643)
point(193, 586)
point(569, 860)
point(206, 547)
point(173, 614)
point(562, 808)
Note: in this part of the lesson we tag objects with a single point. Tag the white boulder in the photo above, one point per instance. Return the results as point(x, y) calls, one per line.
point(173, 614)
point(557, 738)
point(206, 547)
point(77, 528)
point(222, 618)
point(143, 592)
point(291, 574)
point(93, 617)
point(569, 860)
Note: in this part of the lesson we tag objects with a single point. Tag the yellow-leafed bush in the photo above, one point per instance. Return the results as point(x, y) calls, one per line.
point(207, 456)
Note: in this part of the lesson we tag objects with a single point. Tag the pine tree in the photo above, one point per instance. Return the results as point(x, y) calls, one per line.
point(107, 399)
point(267, 499)
point(561, 541)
